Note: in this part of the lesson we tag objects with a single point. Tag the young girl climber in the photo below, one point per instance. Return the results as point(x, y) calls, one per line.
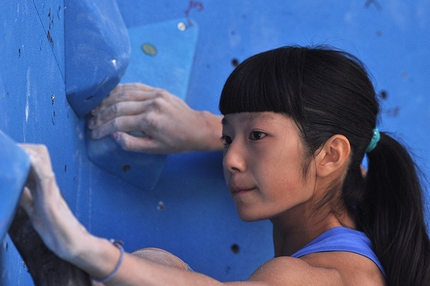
point(297, 123)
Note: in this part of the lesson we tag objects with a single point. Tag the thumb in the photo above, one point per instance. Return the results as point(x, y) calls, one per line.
point(26, 201)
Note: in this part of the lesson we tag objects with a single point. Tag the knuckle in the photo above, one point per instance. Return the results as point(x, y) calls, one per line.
point(41, 148)
point(114, 125)
point(163, 93)
point(157, 102)
point(114, 108)
point(150, 121)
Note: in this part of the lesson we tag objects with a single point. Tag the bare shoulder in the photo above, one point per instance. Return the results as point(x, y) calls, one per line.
point(354, 269)
point(293, 271)
point(329, 268)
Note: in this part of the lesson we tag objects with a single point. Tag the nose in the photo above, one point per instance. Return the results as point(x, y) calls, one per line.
point(234, 158)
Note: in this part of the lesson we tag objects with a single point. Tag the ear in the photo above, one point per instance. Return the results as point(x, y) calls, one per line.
point(333, 155)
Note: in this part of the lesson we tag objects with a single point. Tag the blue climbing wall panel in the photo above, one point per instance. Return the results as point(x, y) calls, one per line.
point(188, 210)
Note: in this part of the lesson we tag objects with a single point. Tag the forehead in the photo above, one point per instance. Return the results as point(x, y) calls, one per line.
point(247, 116)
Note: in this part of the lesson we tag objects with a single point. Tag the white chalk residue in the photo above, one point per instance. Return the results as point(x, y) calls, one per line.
point(27, 98)
point(114, 64)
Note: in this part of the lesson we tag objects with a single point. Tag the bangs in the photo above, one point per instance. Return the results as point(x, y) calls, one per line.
point(262, 83)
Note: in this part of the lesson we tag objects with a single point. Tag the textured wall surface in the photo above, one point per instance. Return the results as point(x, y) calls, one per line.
point(189, 212)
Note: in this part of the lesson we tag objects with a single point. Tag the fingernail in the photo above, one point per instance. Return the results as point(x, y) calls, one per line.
point(115, 137)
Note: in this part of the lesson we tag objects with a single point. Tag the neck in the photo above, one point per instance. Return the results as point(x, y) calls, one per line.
point(298, 226)
point(290, 235)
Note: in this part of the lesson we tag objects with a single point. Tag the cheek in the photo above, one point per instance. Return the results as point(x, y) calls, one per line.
point(287, 180)
point(286, 176)
point(226, 176)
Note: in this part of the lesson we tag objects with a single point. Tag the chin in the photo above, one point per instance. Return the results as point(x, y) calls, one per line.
point(249, 217)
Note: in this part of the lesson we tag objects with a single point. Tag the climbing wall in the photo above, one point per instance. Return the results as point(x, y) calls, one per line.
point(186, 208)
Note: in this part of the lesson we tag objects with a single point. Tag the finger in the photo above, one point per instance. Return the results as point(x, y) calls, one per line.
point(138, 144)
point(127, 92)
point(109, 106)
point(26, 200)
point(40, 160)
point(135, 86)
point(122, 124)
point(41, 180)
point(133, 91)
point(125, 108)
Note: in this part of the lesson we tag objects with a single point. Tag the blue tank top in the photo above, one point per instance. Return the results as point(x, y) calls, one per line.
point(341, 239)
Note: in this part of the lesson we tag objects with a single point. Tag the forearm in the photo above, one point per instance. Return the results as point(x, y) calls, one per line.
point(99, 258)
point(138, 271)
point(210, 134)
point(142, 272)
point(96, 256)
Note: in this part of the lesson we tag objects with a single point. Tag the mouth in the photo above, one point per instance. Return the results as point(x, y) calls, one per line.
point(236, 191)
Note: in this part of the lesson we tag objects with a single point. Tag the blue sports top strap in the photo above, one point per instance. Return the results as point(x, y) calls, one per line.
point(341, 239)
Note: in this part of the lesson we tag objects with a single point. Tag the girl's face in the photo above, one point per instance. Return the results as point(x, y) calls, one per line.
point(263, 163)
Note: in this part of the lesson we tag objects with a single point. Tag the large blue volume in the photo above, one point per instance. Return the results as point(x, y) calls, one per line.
point(97, 51)
point(14, 167)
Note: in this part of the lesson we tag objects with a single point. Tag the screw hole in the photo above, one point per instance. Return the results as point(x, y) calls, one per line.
point(235, 248)
point(160, 206)
point(126, 168)
point(235, 62)
point(383, 94)
point(89, 98)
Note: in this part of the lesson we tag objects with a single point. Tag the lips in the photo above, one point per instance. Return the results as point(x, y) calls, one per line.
point(240, 190)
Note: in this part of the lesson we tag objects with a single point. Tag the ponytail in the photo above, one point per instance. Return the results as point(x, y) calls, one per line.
point(394, 219)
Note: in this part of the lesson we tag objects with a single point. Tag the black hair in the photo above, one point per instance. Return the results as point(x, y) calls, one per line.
point(327, 92)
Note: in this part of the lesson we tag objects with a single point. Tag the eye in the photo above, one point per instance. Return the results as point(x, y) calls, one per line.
point(257, 135)
point(226, 140)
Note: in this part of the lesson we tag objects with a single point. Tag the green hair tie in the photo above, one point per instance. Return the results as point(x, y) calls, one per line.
point(375, 139)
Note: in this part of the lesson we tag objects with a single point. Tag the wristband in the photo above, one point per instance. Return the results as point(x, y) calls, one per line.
point(118, 265)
